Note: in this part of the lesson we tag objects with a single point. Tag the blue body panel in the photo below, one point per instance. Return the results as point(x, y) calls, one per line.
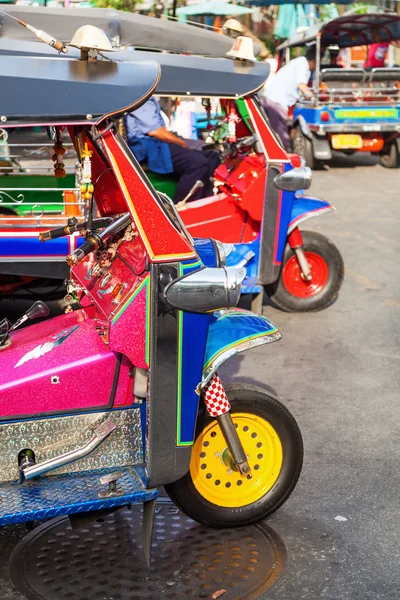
point(312, 115)
point(192, 340)
point(231, 328)
point(287, 201)
point(249, 285)
point(24, 247)
point(205, 249)
point(59, 495)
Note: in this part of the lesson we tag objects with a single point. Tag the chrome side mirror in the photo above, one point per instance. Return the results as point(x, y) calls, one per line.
point(206, 290)
point(294, 180)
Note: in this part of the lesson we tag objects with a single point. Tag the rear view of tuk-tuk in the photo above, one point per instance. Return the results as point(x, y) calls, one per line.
point(352, 109)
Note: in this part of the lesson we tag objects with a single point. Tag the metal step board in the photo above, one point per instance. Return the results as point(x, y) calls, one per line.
point(73, 493)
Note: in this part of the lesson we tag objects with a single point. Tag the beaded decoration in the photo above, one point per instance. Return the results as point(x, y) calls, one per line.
point(233, 119)
point(58, 157)
point(86, 186)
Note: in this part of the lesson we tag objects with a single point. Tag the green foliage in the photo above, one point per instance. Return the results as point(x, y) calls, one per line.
point(128, 5)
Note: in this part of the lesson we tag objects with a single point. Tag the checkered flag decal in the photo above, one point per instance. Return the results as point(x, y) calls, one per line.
point(215, 398)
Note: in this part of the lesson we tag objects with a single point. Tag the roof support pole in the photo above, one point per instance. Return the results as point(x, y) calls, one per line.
point(317, 65)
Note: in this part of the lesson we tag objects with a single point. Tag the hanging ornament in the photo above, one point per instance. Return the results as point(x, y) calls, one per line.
point(233, 119)
point(58, 157)
point(86, 186)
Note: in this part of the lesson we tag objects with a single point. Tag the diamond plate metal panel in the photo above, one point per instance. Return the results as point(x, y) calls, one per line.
point(67, 494)
point(51, 437)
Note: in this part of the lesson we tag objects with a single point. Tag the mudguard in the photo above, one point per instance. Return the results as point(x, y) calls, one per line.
point(232, 331)
point(304, 208)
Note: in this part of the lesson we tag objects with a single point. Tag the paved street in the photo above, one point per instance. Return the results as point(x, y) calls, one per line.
point(338, 371)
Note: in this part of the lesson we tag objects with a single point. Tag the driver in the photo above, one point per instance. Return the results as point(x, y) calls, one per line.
point(165, 152)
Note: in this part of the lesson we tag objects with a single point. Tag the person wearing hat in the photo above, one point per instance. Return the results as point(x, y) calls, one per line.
point(233, 28)
point(284, 92)
point(164, 152)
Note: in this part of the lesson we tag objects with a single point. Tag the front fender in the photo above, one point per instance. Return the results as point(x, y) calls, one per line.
point(232, 331)
point(304, 208)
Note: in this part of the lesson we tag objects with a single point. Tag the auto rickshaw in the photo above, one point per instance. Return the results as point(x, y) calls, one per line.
point(27, 185)
point(102, 405)
point(352, 109)
point(259, 215)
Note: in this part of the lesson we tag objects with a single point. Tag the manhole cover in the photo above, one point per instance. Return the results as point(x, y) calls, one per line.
point(104, 561)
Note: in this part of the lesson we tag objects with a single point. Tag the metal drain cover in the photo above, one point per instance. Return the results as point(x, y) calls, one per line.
point(104, 561)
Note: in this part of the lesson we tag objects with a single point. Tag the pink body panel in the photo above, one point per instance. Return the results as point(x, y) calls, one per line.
point(122, 317)
point(124, 391)
point(57, 366)
point(128, 331)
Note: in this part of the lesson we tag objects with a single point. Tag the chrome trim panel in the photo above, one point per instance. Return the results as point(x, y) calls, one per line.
point(50, 437)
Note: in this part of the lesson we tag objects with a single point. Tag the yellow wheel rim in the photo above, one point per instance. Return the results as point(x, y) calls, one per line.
point(216, 477)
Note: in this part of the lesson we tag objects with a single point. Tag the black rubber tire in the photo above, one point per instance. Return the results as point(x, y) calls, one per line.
point(391, 160)
point(312, 242)
point(254, 400)
point(303, 146)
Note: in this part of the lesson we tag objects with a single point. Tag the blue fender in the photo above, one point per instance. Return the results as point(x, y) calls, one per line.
point(304, 208)
point(232, 331)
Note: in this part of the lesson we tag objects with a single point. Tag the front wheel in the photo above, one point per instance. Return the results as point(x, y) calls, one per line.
point(213, 492)
point(293, 293)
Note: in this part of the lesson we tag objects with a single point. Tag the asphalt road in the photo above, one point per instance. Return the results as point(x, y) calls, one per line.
point(338, 372)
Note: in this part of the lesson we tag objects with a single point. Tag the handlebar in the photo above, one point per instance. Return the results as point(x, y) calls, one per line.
point(97, 240)
point(246, 141)
point(72, 226)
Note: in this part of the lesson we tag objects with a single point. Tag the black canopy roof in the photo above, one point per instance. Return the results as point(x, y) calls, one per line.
point(127, 29)
point(180, 74)
point(49, 90)
point(350, 30)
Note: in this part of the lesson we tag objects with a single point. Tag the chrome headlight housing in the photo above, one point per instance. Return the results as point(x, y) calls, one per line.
point(206, 290)
point(223, 250)
point(296, 179)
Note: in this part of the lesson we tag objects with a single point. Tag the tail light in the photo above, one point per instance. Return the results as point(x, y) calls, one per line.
point(325, 115)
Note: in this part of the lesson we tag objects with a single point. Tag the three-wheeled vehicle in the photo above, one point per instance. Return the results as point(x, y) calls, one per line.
point(257, 213)
point(352, 109)
point(104, 404)
point(27, 187)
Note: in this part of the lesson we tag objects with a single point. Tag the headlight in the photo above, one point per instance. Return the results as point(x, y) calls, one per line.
point(206, 290)
point(294, 180)
point(223, 250)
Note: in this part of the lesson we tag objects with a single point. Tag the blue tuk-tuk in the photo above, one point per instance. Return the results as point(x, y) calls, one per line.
point(352, 109)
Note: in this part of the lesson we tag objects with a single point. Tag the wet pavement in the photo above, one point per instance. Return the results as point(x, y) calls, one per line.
point(338, 372)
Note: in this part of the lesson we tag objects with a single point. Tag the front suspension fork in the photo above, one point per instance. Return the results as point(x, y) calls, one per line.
point(217, 405)
point(295, 240)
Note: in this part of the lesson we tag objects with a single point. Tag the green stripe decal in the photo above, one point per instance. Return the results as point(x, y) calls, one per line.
point(181, 271)
point(130, 299)
point(179, 369)
point(148, 309)
point(366, 113)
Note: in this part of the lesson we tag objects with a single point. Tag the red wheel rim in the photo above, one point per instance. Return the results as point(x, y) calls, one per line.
point(294, 281)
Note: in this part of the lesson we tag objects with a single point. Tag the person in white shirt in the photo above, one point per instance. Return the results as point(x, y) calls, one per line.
point(284, 91)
